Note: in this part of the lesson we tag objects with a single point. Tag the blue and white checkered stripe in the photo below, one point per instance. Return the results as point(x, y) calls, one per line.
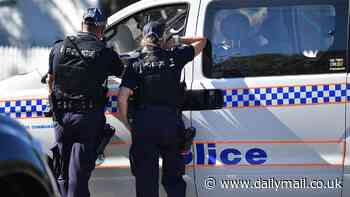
point(278, 96)
point(112, 105)
point(24, 108)
point(34, 108)
point(233, 98)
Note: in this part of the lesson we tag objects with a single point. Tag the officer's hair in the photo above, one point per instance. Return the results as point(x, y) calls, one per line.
point(90, 27)
point(149, 40)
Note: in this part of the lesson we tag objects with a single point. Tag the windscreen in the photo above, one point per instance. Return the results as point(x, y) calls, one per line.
point(259, 39)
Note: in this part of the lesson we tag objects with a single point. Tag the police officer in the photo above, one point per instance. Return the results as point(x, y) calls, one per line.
point(154, 76)
point(78, 67)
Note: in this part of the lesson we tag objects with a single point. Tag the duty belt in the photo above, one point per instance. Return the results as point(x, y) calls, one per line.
point(69, 105)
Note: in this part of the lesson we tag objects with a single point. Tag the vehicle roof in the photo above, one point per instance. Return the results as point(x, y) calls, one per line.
point(139, 6)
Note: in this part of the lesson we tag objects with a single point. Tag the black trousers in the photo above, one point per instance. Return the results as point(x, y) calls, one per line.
point(156, 135)
point(77, 135)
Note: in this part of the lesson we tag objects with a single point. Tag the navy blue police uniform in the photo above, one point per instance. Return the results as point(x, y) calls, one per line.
point(79, 100)
point(154, 75)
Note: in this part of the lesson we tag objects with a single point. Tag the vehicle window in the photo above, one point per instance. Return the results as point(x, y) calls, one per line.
point(260, 40)
point(126, 35)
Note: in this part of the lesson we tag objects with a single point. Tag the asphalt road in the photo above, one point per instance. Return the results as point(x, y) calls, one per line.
point(114, 183)
point(111, 182)
point(114, 179)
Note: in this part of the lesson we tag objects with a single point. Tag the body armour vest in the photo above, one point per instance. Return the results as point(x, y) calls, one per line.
point(77, 78)
point(159, 78)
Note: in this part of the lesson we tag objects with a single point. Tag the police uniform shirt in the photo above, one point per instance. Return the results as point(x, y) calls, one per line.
point(108, 60)
point(181, 56)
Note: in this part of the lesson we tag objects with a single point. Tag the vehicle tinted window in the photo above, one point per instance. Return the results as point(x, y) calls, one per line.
point(277, 39)
point(126, 35)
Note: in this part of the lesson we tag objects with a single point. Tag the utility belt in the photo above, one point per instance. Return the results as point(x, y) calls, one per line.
point(76, 106)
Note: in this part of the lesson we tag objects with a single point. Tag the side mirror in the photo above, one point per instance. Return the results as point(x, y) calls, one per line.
point(203, 99)
point(44, 78)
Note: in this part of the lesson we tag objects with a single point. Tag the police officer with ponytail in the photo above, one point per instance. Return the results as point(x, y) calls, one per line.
point(79, 65)
point(153, 77)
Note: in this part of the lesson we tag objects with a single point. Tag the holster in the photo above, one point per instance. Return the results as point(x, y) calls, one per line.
point(132, 105)
point(107, 134)
point(187, 139)
point(132, 161)
point(52, 110)
point(55, 163)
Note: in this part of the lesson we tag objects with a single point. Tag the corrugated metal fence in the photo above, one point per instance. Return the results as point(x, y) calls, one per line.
point(14, 61)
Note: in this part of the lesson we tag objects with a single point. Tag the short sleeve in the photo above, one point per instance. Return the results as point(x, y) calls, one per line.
point(183, 54)
point(51, 56)
point(54, 57)
point(129, 79)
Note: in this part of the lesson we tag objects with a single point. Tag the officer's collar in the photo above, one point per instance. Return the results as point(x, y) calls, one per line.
point(89, 34)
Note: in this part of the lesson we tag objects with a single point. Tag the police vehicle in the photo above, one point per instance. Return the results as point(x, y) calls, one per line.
point(269, 96)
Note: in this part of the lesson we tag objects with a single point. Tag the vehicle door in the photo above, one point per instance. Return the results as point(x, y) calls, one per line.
point(281, 66)
point(124, 34)
point(346, 179)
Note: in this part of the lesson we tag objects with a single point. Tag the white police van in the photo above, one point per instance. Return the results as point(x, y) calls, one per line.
point(269, 96)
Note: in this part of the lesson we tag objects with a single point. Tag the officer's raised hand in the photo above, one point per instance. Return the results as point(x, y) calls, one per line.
point(198, 43)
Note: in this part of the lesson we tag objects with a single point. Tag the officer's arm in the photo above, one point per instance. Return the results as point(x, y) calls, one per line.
point(50, 82)
point(198, 43)
point(116, 64)
point(123, 96)
point(53, 60)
